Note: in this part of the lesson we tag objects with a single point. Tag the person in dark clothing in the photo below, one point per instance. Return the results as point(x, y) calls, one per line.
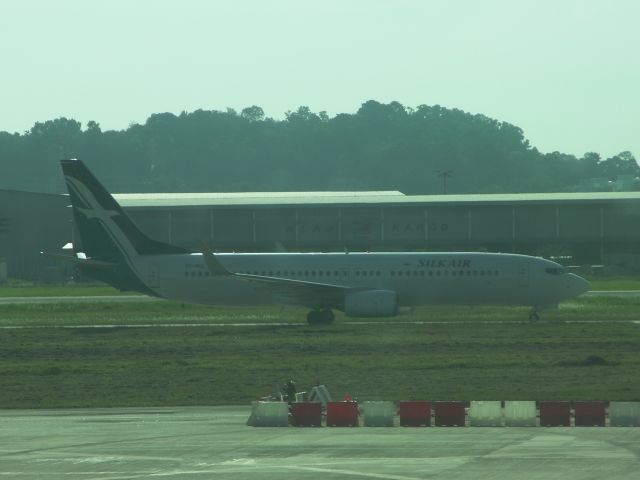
point(290, 391)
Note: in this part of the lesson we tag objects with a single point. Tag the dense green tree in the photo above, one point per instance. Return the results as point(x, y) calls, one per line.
point(253, 113)
point(622, 164)
point(379, 147)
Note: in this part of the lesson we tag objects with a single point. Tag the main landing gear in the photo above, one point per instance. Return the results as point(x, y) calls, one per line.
point(320, 317)
point(533, 315)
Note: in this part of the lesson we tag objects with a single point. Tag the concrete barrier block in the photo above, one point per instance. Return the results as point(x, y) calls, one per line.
point(624, 414)
point(306, 414)
point(555, 414)
point(378, 414)
point(415, 414)
point(519, 413)
point(449, 414)
point(589, 414)
point(485, 413)
point(342, 414)
point(269, 414)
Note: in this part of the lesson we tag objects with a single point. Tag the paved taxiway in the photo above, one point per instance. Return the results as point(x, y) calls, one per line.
point(144, 298)
point(78, 299)
point(213, 442)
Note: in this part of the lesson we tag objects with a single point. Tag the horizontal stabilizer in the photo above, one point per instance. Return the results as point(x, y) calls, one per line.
point(78, 260)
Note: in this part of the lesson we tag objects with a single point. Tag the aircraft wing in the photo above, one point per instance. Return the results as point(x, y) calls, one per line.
point(297, 292)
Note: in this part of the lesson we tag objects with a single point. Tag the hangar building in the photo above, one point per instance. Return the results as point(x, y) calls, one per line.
point(576, 228)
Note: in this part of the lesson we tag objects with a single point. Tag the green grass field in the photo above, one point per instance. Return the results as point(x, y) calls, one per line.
point(587, 349)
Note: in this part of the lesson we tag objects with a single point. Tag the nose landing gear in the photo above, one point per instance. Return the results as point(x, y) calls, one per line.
point(533, 315)
point(320, 317)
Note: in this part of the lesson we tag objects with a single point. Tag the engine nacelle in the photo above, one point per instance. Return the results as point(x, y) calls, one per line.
point(371, 303)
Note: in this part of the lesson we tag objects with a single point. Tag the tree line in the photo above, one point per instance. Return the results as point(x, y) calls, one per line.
point(380, 147)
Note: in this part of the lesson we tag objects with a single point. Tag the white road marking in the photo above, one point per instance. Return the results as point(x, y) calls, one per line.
point(300, 324)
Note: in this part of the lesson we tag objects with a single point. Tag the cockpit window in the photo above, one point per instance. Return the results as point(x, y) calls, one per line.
point(555, 270)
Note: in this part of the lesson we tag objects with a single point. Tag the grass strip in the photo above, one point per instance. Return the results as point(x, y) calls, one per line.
point(589, 350)
point(168, 312)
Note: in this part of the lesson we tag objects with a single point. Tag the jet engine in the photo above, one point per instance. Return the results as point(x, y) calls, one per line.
point(371, 303)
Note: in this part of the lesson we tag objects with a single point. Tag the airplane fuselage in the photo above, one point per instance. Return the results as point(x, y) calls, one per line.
point(417, 278)
point(115, 250)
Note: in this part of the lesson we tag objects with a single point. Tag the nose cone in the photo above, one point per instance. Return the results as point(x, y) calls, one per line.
point(578, 285)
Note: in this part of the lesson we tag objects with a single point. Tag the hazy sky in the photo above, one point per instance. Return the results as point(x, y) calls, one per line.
point(566, 71)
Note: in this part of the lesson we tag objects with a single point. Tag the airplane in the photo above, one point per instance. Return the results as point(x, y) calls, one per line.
point(113, 249)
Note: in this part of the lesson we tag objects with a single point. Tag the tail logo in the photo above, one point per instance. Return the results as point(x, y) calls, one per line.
point(92, 209)
point(100, 214)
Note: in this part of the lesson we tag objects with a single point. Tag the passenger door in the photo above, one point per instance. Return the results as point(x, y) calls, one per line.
point(522, 272)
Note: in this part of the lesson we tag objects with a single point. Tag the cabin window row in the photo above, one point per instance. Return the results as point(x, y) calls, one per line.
point(199, 273)
point(359, 273)
point(445, 273)
point(299, 273)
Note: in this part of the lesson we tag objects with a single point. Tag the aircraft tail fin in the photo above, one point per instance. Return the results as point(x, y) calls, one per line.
point(106, 232)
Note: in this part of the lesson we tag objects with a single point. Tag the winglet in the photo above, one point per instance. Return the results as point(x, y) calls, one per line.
point(213, 264)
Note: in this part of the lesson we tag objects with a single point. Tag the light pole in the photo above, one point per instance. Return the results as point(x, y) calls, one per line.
point(444, 174)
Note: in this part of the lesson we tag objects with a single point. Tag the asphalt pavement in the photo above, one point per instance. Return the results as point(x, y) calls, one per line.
point(144, 298)
point(214, 442)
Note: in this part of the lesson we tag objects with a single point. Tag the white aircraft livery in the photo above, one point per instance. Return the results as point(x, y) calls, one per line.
point(113, 249)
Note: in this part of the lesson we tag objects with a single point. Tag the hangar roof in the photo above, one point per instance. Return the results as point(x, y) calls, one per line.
point(252, 198)
point(358, 198)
